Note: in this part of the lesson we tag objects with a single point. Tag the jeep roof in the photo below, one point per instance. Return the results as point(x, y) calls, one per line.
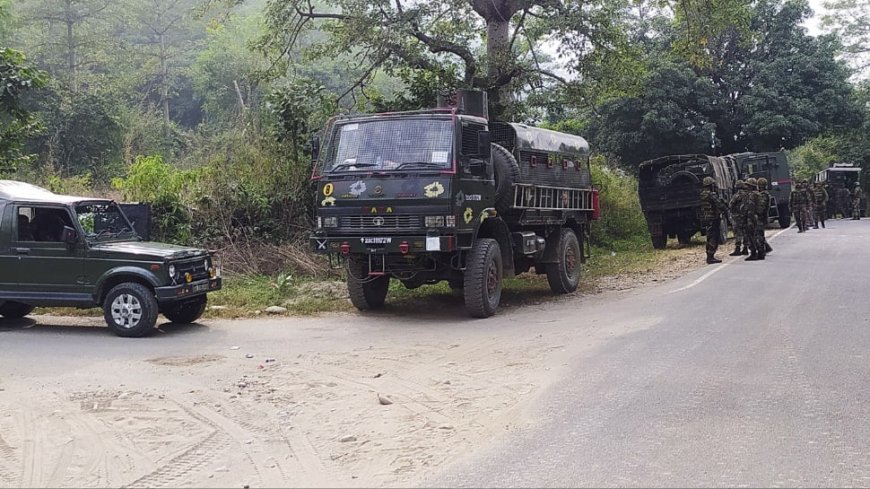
point(24, 192)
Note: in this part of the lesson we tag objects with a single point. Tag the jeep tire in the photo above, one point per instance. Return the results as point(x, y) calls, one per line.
point(506, 171)
point(130, 310)
point(366, 292)
point(564, 275)
point(15, 310)
point(186, 312)
point(483, 278)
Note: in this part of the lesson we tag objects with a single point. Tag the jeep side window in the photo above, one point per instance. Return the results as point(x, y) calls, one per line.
point(41, 224)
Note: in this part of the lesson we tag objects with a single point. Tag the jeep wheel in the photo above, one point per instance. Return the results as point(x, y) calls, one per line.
point(366, 292)
point(15, 310)
point(483, 278)
point(564, 276)
point(186, 312)
point(130, 310)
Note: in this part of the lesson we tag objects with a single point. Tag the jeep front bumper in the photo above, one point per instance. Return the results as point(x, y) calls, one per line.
point(184, 291)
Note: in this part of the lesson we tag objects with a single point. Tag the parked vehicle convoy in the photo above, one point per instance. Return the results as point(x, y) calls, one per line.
point(841, 176)
point(64, 251)
point(448, 195)
point(669, 189)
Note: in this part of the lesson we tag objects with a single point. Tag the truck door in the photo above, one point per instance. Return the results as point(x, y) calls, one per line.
point(44, 265)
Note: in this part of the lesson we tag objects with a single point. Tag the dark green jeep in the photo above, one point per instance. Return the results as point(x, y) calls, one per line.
point(57, 250)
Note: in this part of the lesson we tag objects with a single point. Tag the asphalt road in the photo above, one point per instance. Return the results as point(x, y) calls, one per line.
point(745, 374)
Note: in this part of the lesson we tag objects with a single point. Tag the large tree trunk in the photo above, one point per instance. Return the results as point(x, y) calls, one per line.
point(72, 62)
point(164, 84)
point(499, 60)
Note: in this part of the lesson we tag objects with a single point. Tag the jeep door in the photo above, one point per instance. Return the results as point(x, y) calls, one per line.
point(46, 267)
point(7, 259)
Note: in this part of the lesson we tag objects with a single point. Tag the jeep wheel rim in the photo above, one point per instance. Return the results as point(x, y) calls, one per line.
point(126, 311)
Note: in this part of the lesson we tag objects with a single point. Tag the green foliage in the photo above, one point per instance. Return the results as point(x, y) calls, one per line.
point(16, 123)
point(621, 216)
point(850, 21)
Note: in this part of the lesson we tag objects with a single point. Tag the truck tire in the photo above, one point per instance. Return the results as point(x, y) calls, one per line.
point(186, 312)
point(685, 237)
point(130, 310)
point(366, 293)
point(506, 172)
point(784, 216)
point(564, 276)
point(15, 310)
point(483, 278)
point(659, 242)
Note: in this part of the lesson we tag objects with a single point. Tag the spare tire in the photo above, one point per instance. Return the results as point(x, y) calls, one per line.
point(506, 172)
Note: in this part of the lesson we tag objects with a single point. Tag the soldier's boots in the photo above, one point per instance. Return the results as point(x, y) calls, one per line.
point(736, 251)
point(767, 248)
point(823, 224)
point(752, 256)
point(712, 259)
point(745, 250)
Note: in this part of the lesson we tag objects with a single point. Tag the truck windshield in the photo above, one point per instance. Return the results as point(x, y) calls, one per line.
point(102, 221)
point(398, 144)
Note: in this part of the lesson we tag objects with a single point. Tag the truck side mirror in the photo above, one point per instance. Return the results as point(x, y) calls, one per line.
point(69, 236)
point(315, 148)
point(484, 150)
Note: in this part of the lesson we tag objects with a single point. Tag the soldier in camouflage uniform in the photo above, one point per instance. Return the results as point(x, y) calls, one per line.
point(809, 218)
point(736, 207)
point(797, 202)
point(843, 198)
point(820, 205)
point(751, 205)
point(763, 212)
point(712, 209)
point(857, 194)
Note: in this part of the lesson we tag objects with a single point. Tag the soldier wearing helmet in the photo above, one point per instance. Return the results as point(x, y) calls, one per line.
point(857, 195)
point(764, 212)
point(820, 205)
point(797, 201)
point(809, 217)
point(712, 210)
point(736, 207)
point(751, 209)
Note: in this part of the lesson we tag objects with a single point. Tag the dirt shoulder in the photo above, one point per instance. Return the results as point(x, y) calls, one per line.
point(342, 399)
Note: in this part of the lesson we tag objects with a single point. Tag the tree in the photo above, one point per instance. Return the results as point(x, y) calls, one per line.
point(493, 45)
point(850, 21)
point(16, 123)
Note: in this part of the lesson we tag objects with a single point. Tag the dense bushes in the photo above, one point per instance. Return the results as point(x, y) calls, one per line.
point(621, 217)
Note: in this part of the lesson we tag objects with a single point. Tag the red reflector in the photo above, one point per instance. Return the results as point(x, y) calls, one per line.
point(404, 247)
point(450, 243)
point(345, 248)
point(155, 267)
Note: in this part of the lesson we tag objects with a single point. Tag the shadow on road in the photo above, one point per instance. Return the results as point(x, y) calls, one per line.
point(72, 325)
point(451, 305)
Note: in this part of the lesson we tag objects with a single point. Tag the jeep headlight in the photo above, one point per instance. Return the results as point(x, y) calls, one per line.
point(434, 221)
point(330, 222)
point(172, 271)
point(206, 264)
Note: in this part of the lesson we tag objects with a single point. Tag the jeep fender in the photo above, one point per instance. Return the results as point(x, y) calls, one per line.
point(128, 274)
point(497, 229)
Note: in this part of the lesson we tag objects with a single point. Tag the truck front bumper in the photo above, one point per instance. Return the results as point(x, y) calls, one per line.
point(383, 244)
point(185, 291)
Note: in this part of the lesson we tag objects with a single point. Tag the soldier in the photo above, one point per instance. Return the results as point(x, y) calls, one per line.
point(712, 209)
point(808, 206)
point(763, 212)
point(843, 198)
point(857, 194)
point(736, 207)
point(796, 203)
point(820, 205)
point(751, 205)
point(832, 203)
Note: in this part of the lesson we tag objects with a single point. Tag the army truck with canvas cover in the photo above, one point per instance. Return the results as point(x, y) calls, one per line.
point(58, 250)
point(669, 188)
point(841, 176)
point(775, 168)
point(448, 195)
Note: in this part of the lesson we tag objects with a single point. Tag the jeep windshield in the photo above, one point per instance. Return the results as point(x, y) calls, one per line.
point(391, 145)
point(104, 221)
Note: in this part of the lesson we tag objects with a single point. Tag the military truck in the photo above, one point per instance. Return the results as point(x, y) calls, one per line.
point(841, 176)
point(445, 194)
point(669, 188)
point(775, 168)
point(58, 250)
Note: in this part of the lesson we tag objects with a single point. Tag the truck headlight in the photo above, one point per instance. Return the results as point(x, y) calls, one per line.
point(330, 222)
point(434, 221)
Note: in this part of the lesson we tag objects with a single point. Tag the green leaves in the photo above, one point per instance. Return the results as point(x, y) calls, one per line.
point(16, 123)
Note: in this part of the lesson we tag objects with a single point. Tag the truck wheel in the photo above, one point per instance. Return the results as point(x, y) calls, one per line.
point(483, 278)
point(506, 173)
point(15, 310)
point(366, 293)
point(684, 237)
point(130, 310)
point(186, 312)
point(659, 242)
point(564, 276)
point(784, 216)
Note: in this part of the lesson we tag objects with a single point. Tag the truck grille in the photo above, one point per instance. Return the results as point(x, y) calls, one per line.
point(376, 222)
